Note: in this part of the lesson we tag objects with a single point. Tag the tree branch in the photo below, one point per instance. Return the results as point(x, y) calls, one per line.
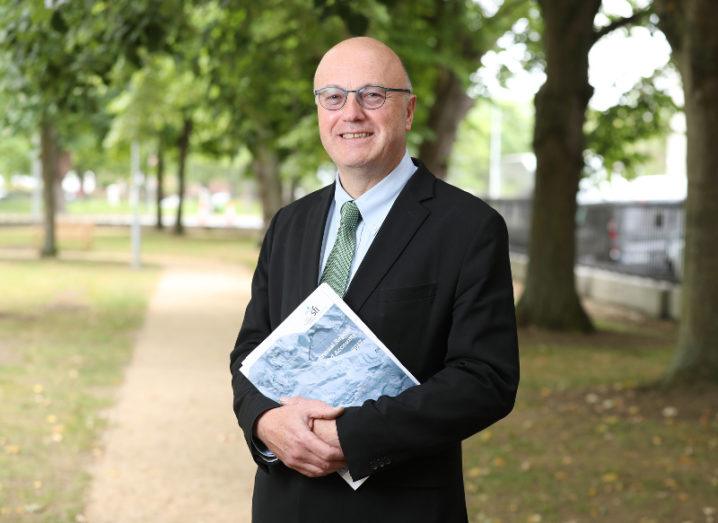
point(621, 22)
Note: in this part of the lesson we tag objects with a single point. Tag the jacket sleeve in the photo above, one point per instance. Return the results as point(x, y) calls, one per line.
point(248, 402)
point(475, 388)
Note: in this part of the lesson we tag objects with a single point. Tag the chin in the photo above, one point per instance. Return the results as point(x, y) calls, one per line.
point(353, 161)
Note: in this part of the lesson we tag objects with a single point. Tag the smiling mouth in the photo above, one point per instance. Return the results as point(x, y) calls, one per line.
point(354, 136)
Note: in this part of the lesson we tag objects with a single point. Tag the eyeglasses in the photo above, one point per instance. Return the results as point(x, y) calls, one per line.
point(369, 97)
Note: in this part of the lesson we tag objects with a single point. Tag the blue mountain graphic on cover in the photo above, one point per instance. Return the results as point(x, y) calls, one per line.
point(332, 361)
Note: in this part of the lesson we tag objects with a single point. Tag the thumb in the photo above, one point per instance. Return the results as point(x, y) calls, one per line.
point(325, 412)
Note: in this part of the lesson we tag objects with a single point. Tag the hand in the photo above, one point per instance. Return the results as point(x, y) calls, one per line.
point(326, 429)
point(287, 431)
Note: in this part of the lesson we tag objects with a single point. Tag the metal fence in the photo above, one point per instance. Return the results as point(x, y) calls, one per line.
point(640, 238)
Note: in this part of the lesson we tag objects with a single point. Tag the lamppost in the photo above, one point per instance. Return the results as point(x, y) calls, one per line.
point(136, 181)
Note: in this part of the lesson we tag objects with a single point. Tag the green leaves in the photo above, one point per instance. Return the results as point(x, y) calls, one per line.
point(62, 55)
point(57, 22)
point(618, 135)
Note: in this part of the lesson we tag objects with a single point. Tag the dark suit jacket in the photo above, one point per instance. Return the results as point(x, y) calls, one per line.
point(435, 287)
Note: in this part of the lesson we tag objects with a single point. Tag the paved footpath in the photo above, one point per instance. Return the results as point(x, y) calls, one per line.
point(173, 452)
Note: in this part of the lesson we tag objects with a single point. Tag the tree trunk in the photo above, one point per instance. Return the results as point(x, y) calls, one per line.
point(64, 164)
point(81, 176)
point(183, 147)
point(49, 158)
point(293, 189)
point(266, 168)
point(451, 103)
point(692, 29)
point(160, 184)
point(550, 299)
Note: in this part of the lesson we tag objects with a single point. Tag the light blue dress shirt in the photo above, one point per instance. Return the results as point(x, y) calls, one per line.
point(374, 205)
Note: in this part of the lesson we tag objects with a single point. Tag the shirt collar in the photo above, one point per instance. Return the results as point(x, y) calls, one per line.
point(381, 196)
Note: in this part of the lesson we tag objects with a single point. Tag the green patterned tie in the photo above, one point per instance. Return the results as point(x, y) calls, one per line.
point(336, 271)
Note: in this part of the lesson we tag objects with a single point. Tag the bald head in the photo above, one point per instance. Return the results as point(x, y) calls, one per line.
point(365, 143)
point(371, 55)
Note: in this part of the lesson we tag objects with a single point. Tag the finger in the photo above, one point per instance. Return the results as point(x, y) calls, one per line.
point(313, 408)
point(338, 465)
point(309, 470)
point(308, 447)
point(319, 448)
point(302, 459)
point(324, 411)
point(305, 445)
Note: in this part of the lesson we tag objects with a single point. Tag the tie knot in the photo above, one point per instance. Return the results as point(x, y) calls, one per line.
point(350, 215)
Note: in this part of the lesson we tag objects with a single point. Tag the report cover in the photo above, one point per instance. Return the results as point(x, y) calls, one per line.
point(323, 351)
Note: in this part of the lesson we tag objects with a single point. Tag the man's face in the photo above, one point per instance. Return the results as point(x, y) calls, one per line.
point(364, 141)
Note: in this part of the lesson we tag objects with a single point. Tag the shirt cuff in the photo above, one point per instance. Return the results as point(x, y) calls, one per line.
point(267, 455)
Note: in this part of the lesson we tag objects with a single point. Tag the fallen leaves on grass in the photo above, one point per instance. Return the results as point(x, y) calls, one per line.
point(609, 477)
point(499, 462)
point(669, 412)
point(12, 449)
point(475, 472)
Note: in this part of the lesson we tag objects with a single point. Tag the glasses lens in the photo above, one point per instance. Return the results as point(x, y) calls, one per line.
point(372, 97)
point(332, 98)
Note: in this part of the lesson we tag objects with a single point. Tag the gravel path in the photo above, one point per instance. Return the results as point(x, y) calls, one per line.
point(173, 451)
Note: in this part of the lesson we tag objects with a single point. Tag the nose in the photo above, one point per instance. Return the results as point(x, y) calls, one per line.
point(352, 111)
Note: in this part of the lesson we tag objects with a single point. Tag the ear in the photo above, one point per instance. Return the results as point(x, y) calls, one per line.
point(410, 108)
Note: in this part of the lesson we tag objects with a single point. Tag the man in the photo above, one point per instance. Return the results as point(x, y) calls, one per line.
point(427, 270)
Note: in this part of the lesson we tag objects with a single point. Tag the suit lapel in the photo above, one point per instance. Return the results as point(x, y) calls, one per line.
point(311, 244)
point(404, 219)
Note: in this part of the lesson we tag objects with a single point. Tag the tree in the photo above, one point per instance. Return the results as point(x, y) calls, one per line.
point(442, 44)
point(550, 299)
point(261, 77)
point(691, 27)
point(37, 66)
point(57, 56)
point(260, 68)
point(160, 105)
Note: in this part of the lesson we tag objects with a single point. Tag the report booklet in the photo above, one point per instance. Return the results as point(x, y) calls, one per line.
point(323, 351)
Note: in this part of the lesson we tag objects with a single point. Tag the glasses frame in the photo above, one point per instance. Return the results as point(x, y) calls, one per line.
point(357, 94)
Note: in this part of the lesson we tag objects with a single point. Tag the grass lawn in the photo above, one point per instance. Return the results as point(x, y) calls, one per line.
point(591, 440)
point(22, 204)
point(66, 332)
point(226, 246)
